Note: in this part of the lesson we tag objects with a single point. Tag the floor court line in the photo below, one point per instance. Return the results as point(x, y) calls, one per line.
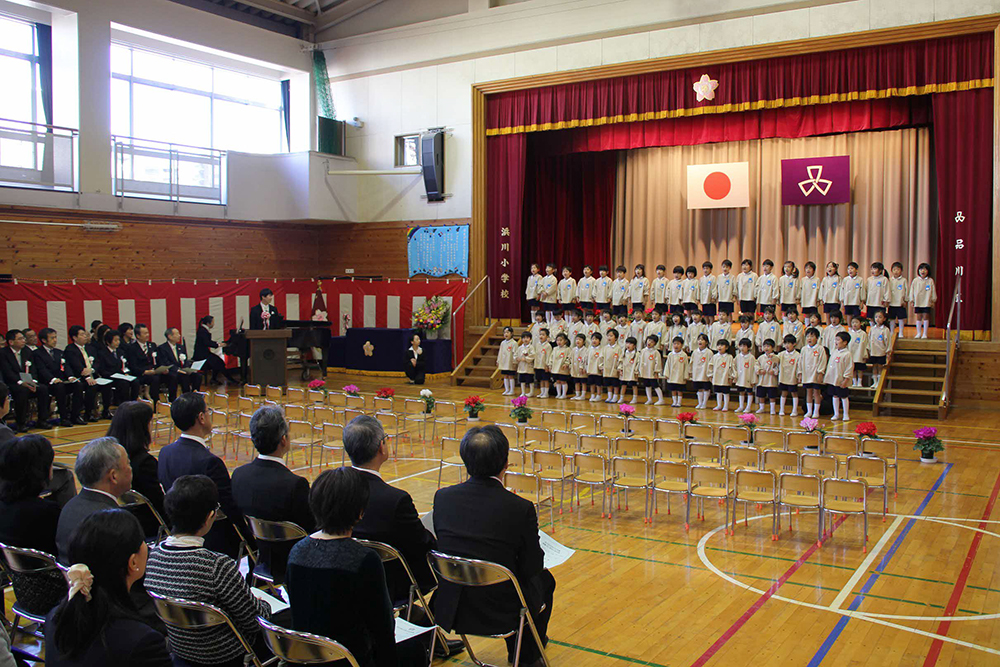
point(935, 650)
point(865, 564)
point(828, 643)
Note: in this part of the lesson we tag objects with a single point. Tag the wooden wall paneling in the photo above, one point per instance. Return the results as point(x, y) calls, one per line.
point(372, 248)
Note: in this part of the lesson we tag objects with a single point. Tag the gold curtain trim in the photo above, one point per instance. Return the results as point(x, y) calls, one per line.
point(749, 106)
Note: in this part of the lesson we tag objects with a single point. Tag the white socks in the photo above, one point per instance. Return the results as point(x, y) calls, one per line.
point(781, 412)
point(659, 396)
point(508, 386)
point(846, 402)
point(649, 395)
point(703, 395)
point(718, 402)
point(531, 390)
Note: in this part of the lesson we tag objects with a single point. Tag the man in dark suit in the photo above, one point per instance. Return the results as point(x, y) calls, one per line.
point(142, 356)
point(104, 472)
point(174, 354)
point(189, 455)
point(481, 519)
point(264, 315)
point(52, 373)
point(111, 361)
point(16, 359)
point(79, 364)
point(266, 489)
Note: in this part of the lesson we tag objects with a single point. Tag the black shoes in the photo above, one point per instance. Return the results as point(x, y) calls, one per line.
point(450, 647)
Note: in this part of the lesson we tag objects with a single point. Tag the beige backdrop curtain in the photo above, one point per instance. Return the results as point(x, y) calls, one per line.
point(891, 216)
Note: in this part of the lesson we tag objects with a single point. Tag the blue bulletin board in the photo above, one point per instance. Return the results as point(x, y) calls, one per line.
point(438, 251)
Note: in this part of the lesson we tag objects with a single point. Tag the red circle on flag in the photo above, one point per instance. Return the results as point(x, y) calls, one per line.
point(717, 185)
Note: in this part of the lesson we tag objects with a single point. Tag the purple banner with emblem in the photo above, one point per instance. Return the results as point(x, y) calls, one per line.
point(816, 180)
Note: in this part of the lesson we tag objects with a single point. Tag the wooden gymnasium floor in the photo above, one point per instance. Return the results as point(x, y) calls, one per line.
point(926, 593)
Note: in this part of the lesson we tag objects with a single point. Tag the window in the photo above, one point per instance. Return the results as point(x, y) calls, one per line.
point(408, 150)
point(160, 97)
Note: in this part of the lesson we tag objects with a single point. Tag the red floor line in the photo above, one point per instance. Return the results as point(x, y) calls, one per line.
point(956, 594)
point(755, 607)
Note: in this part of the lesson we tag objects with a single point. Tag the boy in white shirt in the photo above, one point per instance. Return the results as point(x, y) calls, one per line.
point(602, 290)
point(533, 288)
point(656, 328)
point(788, 288)
point(605, 325)
point(769, 328)
point(852, 291)
point(923, 296)
point(505, 360)
point(525, 358)
point(723, 371)
point(623, 328)
point(789, 375)
point(650, 363)
point(809, 290)
point(559, 325)
point(767, 286)
point(829, 337)
point(639, 288)
point(585, 288)
point(559, 365)
point(638, 326)
point(595, 367)
point(576, 325)
point(543, 350)
point(726, 288)
point(813, 362)
point(548, 290)
point(746, 373)
point(695, 329)
point(897, 300)
point(746, 288)
point(689, 287)
point(879, 338)
point(612, 365)
point(675, 291)
point(767, 376)
point(838, 375)
point(876, 290)
point(567, 288)
point(676, 370)
point(859, 349)
point(620, 292)
point(590, 326)
point(660, 289)
point(708, 291)
point(721, 329)
point(629, 370)
point(793, 327)
point(701, 372)
point(746, 331)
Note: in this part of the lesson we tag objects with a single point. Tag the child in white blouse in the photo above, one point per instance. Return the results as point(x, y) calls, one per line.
point(620, 292)
point(525, 358)
point(559, 365)
point(629, 370)
point(923, 295)
point(533, 289)
point(650, 364)
point(788, 288)
point(567, 288)
point(829, 292)
point(898, 289)
point(701, 371)
point(723, 372)
point(859, 349)
point(746, 373)
point(809, 290)
point(676, 370)
point(639, 288)
point(813, 361)
point(878, 346)
point(612, 365)
point(505, 361)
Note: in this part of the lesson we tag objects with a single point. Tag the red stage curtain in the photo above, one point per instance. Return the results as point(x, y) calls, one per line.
point(505, 163)
point(569, 210)
point(876, 72)
point(765, 124)
point(963, 132)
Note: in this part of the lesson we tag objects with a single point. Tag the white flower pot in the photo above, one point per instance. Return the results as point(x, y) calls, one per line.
point(932, 459)
point(474, 419)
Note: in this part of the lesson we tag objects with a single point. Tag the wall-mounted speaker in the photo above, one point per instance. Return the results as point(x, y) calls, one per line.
point(432, 163)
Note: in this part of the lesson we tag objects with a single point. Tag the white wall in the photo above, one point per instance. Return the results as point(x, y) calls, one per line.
point(404, 79)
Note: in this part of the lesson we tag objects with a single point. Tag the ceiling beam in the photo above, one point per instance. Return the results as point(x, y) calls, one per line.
point(282, 9)
point(342, 12)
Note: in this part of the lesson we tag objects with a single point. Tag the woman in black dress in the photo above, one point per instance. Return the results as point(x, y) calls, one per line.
point(132, 426)
point(203, 346)
point(415, 372)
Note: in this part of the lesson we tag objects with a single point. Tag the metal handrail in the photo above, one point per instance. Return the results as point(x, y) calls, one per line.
point(45, 125)
point(952, 344)
point(468, 295)
point(122, 139)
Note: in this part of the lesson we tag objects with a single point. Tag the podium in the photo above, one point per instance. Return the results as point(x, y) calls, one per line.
point(268, 356)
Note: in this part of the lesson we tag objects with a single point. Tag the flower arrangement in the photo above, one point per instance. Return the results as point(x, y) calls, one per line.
point(351, 390)
point(809, 425)
point(626, 409)
point(521, 412)
point(427, 396)
point(750, 420)
point(867, 430)
point(347, 321)
point(474, 405)
point(433, 314)
point(928, 444)
point(385, 392)
point(688, 417)
point(317, 384)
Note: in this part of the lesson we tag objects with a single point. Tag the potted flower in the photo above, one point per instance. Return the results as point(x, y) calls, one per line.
point(810, 425)
point(867, 430)
point(474, 405)
point(521, 412)
point(687, 417)
point(928, 444)
point(751, 421)
point(626, 411)
point(385, 392)
point(427, 396)
point(351, 390)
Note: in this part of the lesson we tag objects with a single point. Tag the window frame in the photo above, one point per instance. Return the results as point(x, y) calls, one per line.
point(399, 149)
point(32, 58)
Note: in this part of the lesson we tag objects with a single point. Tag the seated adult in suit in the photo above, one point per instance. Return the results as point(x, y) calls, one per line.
point(105, 474)
point(131, 428)
point(143, 360)
point(203, 349)
point(28, 521)
point(16, 359)
point(189, 455)
point(97, 624)
point(79, 363)
point(52, 373)
point(264, 315)
point(481, 519)
point(173, 353)
point(111, 361)
point(266, 489)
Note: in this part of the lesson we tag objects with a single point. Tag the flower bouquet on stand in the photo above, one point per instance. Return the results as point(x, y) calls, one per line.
point(751, 421)
point(351, 390)
point(928, 444)
point(474, 405)
point(521, 412)
point(431, 317)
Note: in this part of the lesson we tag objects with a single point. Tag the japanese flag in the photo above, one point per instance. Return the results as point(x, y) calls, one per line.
point(724, 185)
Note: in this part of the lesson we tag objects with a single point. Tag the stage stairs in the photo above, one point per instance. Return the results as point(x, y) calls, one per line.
point(916, 380)
point(478, 367)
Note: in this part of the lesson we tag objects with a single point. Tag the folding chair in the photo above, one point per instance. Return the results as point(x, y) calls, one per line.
point(529, 487)
point(273, 393)
point(768, 438)
point(803, 441)
point(190, 615)
point(386, 404)
point(705, 454)
point(591, 470)
point(220, 402)
point(450, 457)
point(631, 473)
point(779, 461)
point(353, 413)
point(735, 435)
point(39, 571)
point(612, 426)
point(315, 397)
point(759, 487)
point(707, 482)
point(393, 430)
point(663, 449)
point(888, 451)
point(302, 648)
point(467, 572)
point(840, 446)
point(641, 427)
point(255, 392)
point(242, 433)
point(565, 440)
point(274, 532)
point(554, 420)
point(450, 414)
point(846, 496)
point(134, 502)
point(636, 448)
point(668, 428)
point(874, 471)
point(332, 439)
point(801, 492)
point(698, 432)
point(598, 444)
point(357, 403)
point(302, 434)
point(515, 459)
point(246, 404)
point(550, 466)
point(824, 465)
point(535, 437)
point(162, 419)
point(669, 477)
point(221, 428)
point(512, 433)
point(296, 412)
point(296, 395)
point(338, 401)
point(324, 415)
point(742, 457)
point(415, 410)
point(583, 423)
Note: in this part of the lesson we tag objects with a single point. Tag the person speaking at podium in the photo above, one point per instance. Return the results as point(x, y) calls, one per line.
point(264, 315)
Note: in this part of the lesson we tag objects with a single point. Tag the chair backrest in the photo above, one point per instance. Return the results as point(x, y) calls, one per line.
point(246, 404)
point(734, 435)
point(872, 468)
point(315, 396)
point(414, 406)
point(523, 482)
point(676, 471)
point(335, 399)
point(626, 466)
point(220, 418)
point(704, 452)
point(742, 457)
point(582, 420)
point(384, 404)
point(600, 444)
point(611, 425)
point(592, 462)
point(295, 412)
point(779, 460)
point(512, 434)
point(547, 462)
point(147, 402)
point(245, 421)
point(707, 476)
point(191, 615)
point(542, 437)
point(301, 430)
point(839, 445)
point(824, 465)
point(351, 413)
point(471, 572)
point(296, 394)
point(302, 648)
point(252, 390)
point(796, 484)
point(333, 432)
point(219, 401)
point(668, 428)
point(515, 459)
point(554, 419)
point(633, 447)
point(163, 409)
point(699, 432)
point(569, 440)
point(136, 499)
point(662, 449)
point(28, 561)
point(275, 531)
point(800, 440)
point(388, 420)
point(448, 409)
point(355, 402)
point(881, 447)
point(755, 480)
point(274, 393)
point(642, 427)
point(850, 489)
point(450, 447)
point(764, 438)
point(324, 415)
